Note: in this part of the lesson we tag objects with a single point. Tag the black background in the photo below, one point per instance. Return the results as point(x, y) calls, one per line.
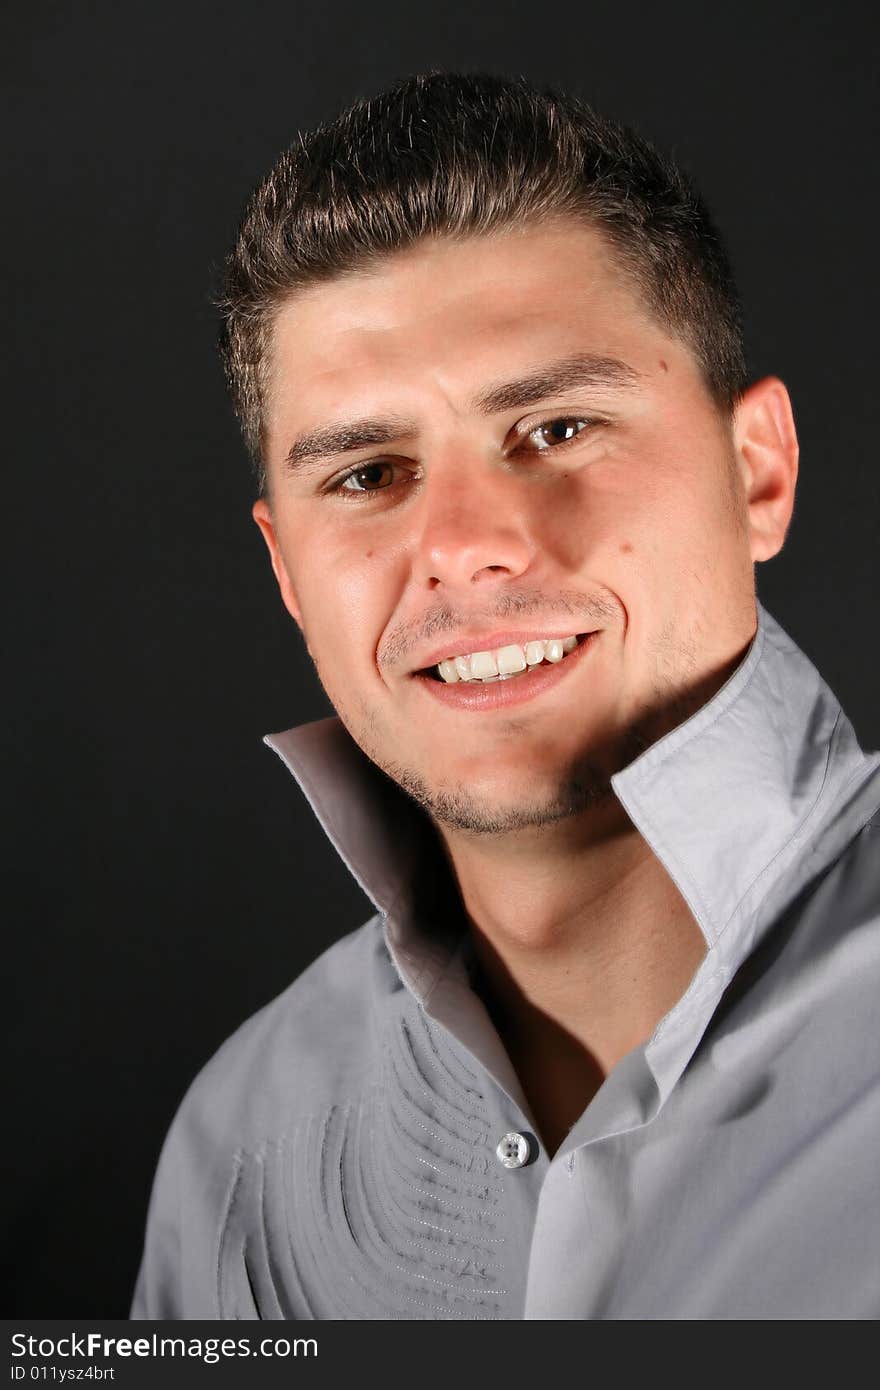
point(164, 878)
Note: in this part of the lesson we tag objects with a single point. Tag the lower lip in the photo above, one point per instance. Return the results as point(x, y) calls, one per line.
point(474, 695)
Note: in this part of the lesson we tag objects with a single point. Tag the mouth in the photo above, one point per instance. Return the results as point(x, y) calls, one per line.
point(504, 676)
point(508, 662)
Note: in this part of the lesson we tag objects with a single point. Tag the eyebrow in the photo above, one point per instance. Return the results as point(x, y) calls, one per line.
point(552, 378)
point(584, 371)
point(329, 440)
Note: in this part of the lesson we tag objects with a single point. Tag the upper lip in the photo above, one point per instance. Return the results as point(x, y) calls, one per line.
point(463, 644)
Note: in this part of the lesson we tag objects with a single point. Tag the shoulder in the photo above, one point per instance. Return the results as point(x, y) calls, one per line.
point(310, 1046)
point(306, 1051)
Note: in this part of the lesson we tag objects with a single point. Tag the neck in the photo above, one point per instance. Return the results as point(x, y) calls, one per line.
point(583, 943)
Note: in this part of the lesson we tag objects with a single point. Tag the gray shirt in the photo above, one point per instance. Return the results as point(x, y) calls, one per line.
point(338, 1157)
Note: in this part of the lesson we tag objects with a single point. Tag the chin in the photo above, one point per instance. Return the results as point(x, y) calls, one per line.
point(494, 810)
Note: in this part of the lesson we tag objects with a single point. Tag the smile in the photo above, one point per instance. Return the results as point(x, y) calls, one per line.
point(470, 691)
point(504, 663)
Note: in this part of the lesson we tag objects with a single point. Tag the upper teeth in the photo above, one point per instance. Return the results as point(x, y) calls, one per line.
point(504, 661)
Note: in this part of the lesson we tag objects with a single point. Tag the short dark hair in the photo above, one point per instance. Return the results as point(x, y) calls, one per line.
point(455, 155)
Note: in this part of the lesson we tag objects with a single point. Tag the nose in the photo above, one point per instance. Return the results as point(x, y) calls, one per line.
point(474, 530)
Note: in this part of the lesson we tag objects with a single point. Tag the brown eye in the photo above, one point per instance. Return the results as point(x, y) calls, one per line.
point(556, 432)
point(370, 478)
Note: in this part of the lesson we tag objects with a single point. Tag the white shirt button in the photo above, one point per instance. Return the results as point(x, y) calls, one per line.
point(514, 1150)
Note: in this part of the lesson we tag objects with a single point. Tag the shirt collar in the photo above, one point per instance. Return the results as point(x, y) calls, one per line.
point(745, 801)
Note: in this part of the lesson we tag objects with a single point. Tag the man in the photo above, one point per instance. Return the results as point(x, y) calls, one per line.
point(607, 1048)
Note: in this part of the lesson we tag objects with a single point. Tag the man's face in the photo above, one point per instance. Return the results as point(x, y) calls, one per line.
point(481, 445)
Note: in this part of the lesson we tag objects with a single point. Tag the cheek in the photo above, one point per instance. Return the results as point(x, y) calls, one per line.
point(343, 591)
point(647, 530)
point(609, 519)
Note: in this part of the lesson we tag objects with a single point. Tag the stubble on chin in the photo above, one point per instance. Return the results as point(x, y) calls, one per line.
point(461, 808)
point(583, 784)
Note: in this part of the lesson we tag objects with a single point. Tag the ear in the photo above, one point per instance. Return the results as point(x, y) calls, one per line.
point(262, 515)
point(767, 453)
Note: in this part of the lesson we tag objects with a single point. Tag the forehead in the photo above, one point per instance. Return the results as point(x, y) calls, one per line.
point(438, 319)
